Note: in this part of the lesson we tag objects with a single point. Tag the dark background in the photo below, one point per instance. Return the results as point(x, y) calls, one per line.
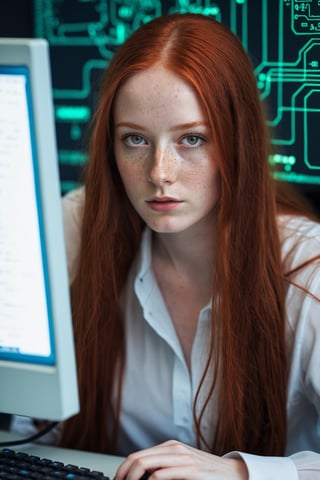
point(16, 20)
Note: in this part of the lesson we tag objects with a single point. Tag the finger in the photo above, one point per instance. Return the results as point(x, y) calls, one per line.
point(126, 465)
point(134, 469)
point(167, 449)
point(179, 472)
point(129, 462)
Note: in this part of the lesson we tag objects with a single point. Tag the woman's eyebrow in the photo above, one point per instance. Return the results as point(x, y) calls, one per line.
point(187, 126)
point(129, 125)
point(181, 126)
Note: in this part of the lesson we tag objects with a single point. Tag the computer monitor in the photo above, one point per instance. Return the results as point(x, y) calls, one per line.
point(37, 359)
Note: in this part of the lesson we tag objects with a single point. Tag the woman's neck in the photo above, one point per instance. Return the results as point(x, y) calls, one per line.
point(183, 266)
point(189, 253)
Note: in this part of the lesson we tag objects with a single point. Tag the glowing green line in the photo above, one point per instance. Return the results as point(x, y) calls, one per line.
point(72, 158)
point(264, 21)
point(233, 23)
point(297, 178)
point(86, 89)
point(305, 128)
point(294, 15)
point(279, 117)
point(67, 113)
point(299, 60)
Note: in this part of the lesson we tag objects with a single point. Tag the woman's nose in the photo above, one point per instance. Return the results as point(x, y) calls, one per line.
point(163, 169)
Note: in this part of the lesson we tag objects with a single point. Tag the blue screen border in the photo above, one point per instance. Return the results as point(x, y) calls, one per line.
point(10, 354)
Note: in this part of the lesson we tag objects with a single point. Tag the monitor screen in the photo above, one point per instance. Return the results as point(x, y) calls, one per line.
point(37, 360)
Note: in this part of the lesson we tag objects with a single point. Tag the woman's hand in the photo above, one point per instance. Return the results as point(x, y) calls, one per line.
point(173, 460)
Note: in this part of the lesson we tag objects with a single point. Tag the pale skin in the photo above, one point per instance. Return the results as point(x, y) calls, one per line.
point(165, 156)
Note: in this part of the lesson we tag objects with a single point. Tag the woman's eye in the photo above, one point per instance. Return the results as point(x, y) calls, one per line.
point(192, 140)
point(134, 140)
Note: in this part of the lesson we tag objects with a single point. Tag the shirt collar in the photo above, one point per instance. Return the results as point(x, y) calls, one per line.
point(145, 275)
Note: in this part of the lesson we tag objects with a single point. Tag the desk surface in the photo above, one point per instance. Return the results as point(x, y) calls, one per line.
point(107, 464)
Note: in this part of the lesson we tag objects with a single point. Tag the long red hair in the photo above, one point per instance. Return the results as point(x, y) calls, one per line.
point(248, 274)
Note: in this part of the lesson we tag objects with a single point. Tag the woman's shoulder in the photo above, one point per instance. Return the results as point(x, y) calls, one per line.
point(300, 234)
point(300, 248)
point(301, 255)
point(72, 207)
point(74, 199)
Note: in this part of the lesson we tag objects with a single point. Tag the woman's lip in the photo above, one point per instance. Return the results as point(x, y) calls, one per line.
point(163, 204)
point(163, 199)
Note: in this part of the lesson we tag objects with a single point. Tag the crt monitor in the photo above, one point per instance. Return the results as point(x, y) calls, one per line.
point(37, 358)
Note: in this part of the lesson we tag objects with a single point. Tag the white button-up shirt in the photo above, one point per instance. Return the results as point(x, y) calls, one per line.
point(159, 390)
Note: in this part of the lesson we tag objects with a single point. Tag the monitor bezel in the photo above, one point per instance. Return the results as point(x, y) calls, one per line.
point(29, 389)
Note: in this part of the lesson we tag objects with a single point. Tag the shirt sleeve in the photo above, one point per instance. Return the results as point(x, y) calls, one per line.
point(303, 465)
point(300, 466)
point(309, 339)
point(72, 208)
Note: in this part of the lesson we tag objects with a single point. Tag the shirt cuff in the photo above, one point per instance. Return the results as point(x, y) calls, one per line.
point(267, 468)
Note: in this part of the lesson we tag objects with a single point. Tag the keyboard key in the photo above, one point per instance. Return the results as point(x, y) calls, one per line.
point(20, 465)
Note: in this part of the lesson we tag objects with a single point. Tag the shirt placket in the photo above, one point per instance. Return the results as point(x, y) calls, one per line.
point(182, 401)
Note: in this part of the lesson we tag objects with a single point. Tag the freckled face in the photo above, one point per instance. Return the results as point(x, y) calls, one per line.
point(163, 151)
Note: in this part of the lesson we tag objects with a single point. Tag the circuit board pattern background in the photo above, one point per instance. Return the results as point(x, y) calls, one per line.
point(281, 36)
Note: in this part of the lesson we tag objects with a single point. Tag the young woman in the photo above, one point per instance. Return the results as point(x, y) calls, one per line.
point(195, 282)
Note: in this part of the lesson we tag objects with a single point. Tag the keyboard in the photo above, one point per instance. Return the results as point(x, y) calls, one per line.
point(19, 465)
